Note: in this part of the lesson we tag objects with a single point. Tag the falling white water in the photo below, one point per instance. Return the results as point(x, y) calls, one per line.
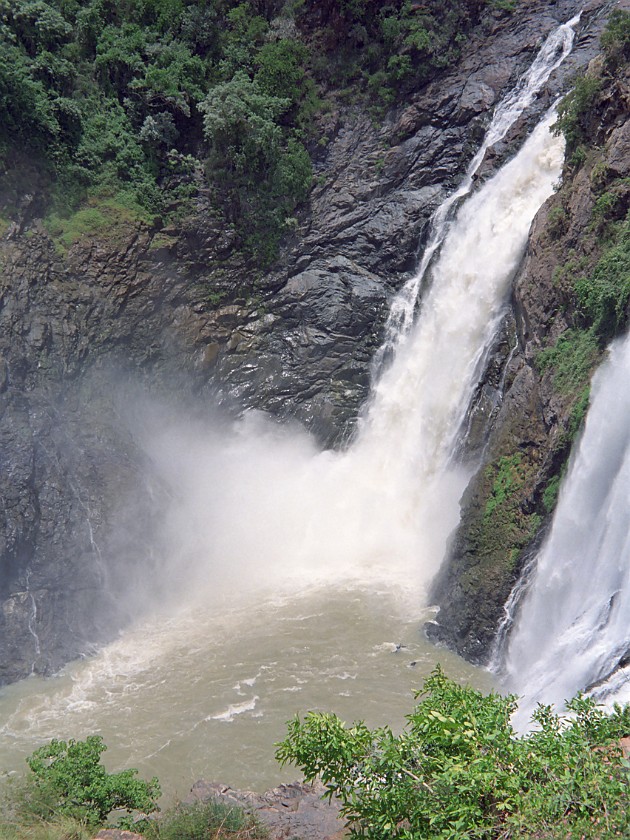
point(553, 52)
point(294, 572)
point(573, 629)
point(418, 406)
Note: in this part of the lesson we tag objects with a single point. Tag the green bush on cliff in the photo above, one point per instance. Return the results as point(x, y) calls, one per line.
point(69, 780)
point(459, 771)
point(604, 293)
point(616, 38)
point(574, 112)
point(577, 109)
point(69, 795)
point(571, 359)
point(104, 95)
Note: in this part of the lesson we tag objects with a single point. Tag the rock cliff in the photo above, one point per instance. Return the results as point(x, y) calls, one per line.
point(177, 313)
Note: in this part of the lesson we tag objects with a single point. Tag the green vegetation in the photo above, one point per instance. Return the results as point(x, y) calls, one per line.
point(505, 523)
point(571, 360)
point(550, 494)
point(603, 294)
point(505, 479)
point(594, 284)
point(390, 48)
point(71, 781)
point(577, 111)
point(616, 39)
point(211, 820)
point(69, 794)
point(574, 113)
point(459, 771)
point(109, 98)
point(557, 222)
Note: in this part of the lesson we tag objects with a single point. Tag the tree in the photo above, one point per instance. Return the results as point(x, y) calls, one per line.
point(616, 38)
point(37, 25)
point(26, 113)
point(239, 122)
point(281, 69)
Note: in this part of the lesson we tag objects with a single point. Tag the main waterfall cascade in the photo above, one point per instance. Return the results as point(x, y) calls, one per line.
point(572, 632)
point(296, 576)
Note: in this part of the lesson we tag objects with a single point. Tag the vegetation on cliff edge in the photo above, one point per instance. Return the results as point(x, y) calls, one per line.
point(145, 103)
point(69, 795)
point(459, 770)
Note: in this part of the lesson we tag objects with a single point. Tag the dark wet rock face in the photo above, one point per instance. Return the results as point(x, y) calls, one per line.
point(178, 313)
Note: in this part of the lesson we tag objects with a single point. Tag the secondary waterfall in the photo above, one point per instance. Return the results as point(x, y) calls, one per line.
point(292, 575)
point(573, 630)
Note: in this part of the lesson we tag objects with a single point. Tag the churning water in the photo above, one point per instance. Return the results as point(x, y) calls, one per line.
point(294, 574)
point(205, 693)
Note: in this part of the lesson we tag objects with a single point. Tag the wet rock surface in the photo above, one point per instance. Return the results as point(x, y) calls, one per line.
point(178, 315)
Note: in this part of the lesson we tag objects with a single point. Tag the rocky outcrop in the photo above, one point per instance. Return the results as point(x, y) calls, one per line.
point(507, 505)
point(288, 811)
point(178, 313)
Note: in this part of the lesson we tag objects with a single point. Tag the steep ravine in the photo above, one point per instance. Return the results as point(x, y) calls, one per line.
point(508, 503)
point(176, 314)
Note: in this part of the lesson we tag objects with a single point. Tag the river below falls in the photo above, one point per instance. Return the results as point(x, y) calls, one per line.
point(207, 693)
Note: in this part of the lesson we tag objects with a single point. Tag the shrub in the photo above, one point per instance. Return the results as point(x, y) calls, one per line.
point(616, 38)
point(604, 294)
point(557, 222)
point(458, 770)
point(550, 494)
point(204, 821)
point(574, 111)
point(281, 69)
point(571, 359)
point(59, 828)
point(578, 412)
point(70, 781)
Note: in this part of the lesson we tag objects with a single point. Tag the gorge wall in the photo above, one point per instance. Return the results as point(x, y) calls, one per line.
point(175, 313)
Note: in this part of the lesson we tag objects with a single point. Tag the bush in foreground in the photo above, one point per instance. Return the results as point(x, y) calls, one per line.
point(70, 791)
point(459, 770)
point(69, 795)
point(211, 820)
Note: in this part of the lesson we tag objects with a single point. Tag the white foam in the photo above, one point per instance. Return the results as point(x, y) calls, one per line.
point(234, 710)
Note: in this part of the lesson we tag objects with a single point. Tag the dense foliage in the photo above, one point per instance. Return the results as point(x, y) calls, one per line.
point(458, 770)
point(123, 101)
point(69, 794)
point(70, 780)
point(578, 111)
point(142, 103)
point(391, 47)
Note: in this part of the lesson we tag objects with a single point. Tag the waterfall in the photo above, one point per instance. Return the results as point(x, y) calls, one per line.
point(384, 508)
point(553, 52)
point(402, 459)
point(410, 429)
point(573, 630)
